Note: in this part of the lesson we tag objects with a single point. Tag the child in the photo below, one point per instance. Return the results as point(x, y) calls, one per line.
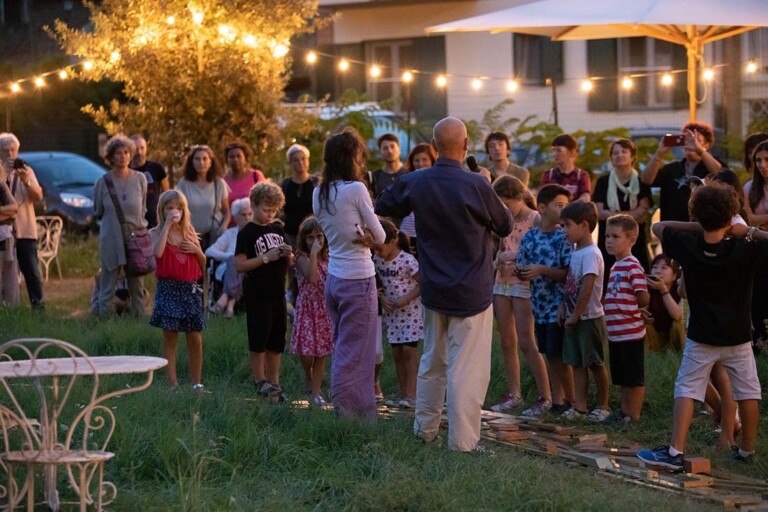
point(664, 319)
point(311, 337)
point(583, 312)
point(512, 303)
point(399, 273)
point(626, 295)
point(565, 151)
point(719, 272)
point(263, 255)
point(543, 261)
point(179, 297)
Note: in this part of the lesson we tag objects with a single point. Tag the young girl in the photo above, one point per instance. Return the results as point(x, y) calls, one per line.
point(512, 303)
point(179, 297)
point(399, 272)
point(311, 338)
point(664, 321)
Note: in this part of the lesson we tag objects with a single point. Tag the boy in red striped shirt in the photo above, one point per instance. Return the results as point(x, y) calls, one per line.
point(625, 296)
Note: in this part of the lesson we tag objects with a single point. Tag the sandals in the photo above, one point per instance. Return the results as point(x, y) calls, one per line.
point(270, 391)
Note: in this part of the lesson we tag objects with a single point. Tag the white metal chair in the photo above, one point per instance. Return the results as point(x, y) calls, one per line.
point(51, 415)
point(48, 238)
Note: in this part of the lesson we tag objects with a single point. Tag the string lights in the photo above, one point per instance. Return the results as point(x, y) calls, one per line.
point(375, 71)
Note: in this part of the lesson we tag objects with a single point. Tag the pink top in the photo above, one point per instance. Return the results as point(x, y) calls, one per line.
point(511, 244)
point(240, 188)
point(177, 265)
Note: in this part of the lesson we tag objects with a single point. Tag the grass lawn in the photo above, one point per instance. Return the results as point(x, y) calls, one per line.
point(229, 451)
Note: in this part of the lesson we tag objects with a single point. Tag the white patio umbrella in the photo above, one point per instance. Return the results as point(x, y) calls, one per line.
point(690, 23)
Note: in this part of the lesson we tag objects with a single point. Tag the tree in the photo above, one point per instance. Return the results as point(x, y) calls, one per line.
point(205, 72)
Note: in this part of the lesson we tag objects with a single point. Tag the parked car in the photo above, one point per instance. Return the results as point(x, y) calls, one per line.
point(67, 180)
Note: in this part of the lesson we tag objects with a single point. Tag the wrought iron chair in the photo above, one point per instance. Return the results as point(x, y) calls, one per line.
point(48, 238)
point(51, 415)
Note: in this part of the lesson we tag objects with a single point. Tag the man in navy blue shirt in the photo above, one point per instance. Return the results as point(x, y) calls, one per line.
point(456, 213)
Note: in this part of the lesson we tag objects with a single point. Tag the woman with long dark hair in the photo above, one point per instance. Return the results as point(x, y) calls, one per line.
point(343, 207)
point(756, 207)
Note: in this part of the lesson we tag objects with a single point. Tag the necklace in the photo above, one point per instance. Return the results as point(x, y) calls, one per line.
point(119, 184)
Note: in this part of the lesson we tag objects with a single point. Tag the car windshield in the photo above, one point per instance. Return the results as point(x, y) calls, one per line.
point(65, 171)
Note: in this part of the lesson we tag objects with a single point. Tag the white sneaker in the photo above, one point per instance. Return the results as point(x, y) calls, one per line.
point(572, 414)
point(541, 406)
point(407, 403)
point(508, 402)
point(598, 415)
point(319, 400)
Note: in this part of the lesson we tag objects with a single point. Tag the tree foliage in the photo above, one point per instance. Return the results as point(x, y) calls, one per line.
point(205, 72)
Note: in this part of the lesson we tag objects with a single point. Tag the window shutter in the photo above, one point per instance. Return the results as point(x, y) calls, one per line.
point(551, 59)
point(430, 57)
point(680, 90)
point(602, 61)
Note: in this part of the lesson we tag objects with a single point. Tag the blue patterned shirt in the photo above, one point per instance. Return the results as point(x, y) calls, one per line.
point(553, 250)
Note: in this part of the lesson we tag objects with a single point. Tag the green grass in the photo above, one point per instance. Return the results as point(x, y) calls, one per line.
point(229, 451)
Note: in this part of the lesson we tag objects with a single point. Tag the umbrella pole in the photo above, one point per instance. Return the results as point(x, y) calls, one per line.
point(693, 50)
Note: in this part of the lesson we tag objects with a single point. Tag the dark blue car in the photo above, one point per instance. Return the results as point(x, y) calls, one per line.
point(67, 180)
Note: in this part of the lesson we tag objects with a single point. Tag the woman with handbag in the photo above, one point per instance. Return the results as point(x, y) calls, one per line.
point(119, 200)
point(207, 194)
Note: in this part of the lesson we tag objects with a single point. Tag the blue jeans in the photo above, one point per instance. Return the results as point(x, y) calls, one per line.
point(26, 253)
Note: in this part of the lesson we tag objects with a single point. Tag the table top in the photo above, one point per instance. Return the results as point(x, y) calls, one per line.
point(101, 365)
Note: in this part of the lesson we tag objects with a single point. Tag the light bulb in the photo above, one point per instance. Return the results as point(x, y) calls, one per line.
point(627, 83)
point(39, 82)
point(343, 65)
point(407, 77)
point(667, 79)
point(477, 84)
point(63, 74)
point(708, 74)
point(751, 67)
point(512, 85)
point(587, 85)
point(375, 71)
point(441, 81)
point(311, 57)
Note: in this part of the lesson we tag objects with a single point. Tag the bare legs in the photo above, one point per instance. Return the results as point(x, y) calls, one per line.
point(313, 374)
point(406, 367)
point(195, 349)
point(265, 366)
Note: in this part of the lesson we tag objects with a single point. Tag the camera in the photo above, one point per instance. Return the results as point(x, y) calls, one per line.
point(18, 163)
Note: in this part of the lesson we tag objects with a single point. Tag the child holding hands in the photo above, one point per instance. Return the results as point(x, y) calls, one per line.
point(179, 297)
point(399, 273)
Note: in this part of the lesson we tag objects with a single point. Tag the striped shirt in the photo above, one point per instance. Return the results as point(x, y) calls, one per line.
point(622, 314)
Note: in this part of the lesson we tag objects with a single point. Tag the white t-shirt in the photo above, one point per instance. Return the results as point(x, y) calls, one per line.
point(584, 262)
point(349, 204)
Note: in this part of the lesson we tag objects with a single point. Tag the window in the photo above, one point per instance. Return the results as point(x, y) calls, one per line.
point(640, 55)
point(393, 58)
point(14, 12)
point(755, 46)
point(537, 58)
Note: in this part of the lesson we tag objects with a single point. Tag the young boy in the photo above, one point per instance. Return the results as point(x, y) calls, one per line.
point(583, 312)
point(565, 151)
point(719, 273)
point(543, 260)
point(263, 255)
point(627, 293)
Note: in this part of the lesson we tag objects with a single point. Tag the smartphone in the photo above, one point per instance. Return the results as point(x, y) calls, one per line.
point(652, 277)
point(670, 140)
point(359, 230)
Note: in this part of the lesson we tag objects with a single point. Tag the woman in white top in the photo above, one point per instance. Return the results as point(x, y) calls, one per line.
point(207, 194)
point(343, 207)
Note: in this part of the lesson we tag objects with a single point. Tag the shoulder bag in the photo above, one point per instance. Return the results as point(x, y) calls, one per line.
point(139, 256)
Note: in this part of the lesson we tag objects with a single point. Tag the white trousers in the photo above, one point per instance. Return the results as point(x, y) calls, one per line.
point(456, 359)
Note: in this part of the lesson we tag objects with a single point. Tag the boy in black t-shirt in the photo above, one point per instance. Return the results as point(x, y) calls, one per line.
point(719, 272)
point(263, 255)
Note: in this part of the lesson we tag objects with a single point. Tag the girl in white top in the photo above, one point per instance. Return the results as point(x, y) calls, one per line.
point(343, 207)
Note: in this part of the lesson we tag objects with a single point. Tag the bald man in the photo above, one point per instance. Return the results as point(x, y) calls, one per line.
point(456, 211)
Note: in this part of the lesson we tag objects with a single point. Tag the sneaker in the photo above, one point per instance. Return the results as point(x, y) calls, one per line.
point(598, 415)
point(573, 414)
point(483, 450)
point(660, 457)
point(199, 388)
point(319, 401)
point(560, 409)
point(541, 406)
point(616, 418)
point(392, 402)
point(508, 402)
point(407, 403)
point(736, 455)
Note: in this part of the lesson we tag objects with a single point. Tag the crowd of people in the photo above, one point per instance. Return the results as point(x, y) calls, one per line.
point(428, 253)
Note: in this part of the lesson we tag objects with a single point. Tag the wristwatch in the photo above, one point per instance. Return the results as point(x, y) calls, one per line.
point(265, 259)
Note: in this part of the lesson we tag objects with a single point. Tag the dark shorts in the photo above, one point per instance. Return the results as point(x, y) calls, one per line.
point(627, 363)
point(412, 344)
point(583, 344)
point(549, 340)
point(266, 318)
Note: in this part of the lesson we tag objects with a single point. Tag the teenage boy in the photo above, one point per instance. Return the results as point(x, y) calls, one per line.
point(264, 256)
point(564, 152)
point(498, 149)
point(381, 179)
point(626, 295)
point(719, 274)
point(582, 312)
point(543, 260)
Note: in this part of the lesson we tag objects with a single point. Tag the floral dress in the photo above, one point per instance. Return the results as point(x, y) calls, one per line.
point(311, 335)
point(403, 325)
